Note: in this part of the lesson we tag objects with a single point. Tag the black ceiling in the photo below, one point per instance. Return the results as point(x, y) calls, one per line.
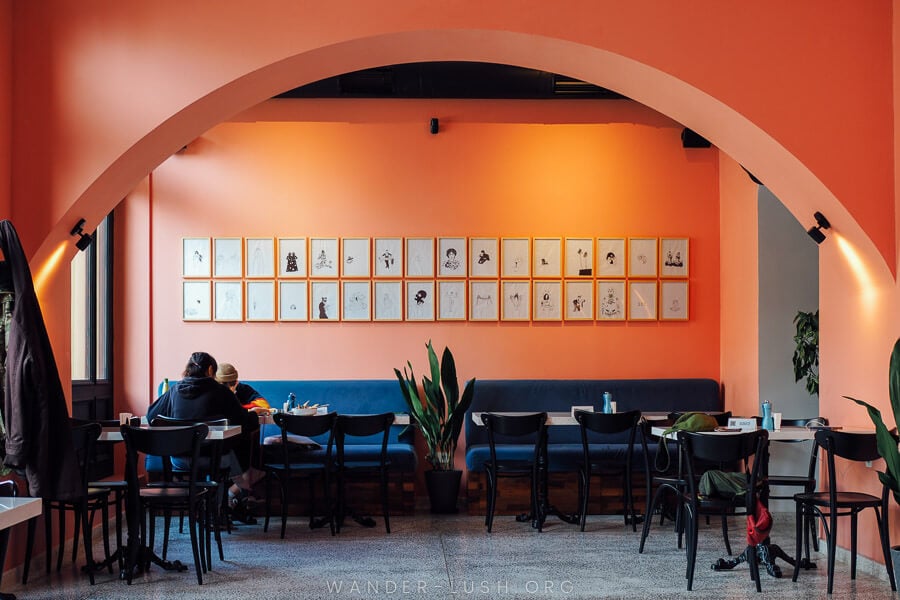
point(451, 80)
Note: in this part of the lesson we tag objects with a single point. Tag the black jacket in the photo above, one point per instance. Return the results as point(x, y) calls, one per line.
point(202, 398)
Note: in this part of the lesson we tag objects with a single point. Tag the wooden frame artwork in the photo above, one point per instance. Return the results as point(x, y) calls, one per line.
point(642, 301)
point(356, 257)
point(515, 257)
point(452, 256)
point(260, 300)
point(611, 300)
point(292, 260)
point(451, 295)
point(228, 300)
point(195, 301)
point(260, 257)
point(323, 257)
point(579, 257)
point(611, 259)
point(293, 301)
point(388, 256)
point(356, 300)
point(484, 257)
point(195, 257)
point(642, 257)
point(547, 300)
point(387, 300)
point(484, 304)
point(420, 258)
point(673, 257)
point(324, 301)
point(420, 300)
point(227, 257)
point(674, 299)
point(515, 300)
point(579, 297)
point(546, 257)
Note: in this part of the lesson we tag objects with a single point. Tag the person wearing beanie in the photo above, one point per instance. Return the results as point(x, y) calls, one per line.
point(249, 398)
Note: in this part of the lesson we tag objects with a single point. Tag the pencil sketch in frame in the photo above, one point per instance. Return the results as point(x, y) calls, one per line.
point(388, 253)
point(673, 301)
point(484, 257)
point(610, 257)
point(673, 257)
point(420, 300)
point(611, 301)
point(579, 257)
point(546, 258)
point(515, 257)
point(420, 258)
point(452, 257)
point(546, 301)
point(642, 257)
point(260, 300)
point(323, 257)
point(293, 301)
point(292, 257)
point(356, 300)
point(260, 257)
point(195, 257)
point(227, 257)
point(579, 296)
point(324, 302)
point(228, 301)
point(451, 300)
point(484, 301)
point(516, 300)
point(387, 300)
point(355, 257)
point(195, 302)
point(641, 300)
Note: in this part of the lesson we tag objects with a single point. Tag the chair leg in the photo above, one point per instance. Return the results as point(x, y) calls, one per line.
point(853, 521)
point(584, 492)
point(725, 533)
point(29, 548)
point(800, 511)
point(82, 511)
point(326, 485)
point(269, 476)
point(832, 544)
point(76, 515)
point(384, 500)
point(62, 537)
point(285, 494)
point(104, 513)
point(692, 532)
point(198, 565)
point(492, 499)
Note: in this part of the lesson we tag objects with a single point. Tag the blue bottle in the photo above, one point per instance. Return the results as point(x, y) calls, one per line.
point(607, 403)
point(768, 421)
point(292, 401)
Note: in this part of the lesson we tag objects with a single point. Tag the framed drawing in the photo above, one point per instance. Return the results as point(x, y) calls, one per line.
point(260, 257)
point(420, 258)
point(579, 257)
point(195, 259)
point(227, 257)
point(515, 300)
point(641, 300)
point(195, 301)
point(611, 300)
point(673, 257)
point(292, 257)
point(387, 300)
point(323, 301)
point(673, 300)
point(546, 300)
point(515, 257)
point(642, 257)
point(356, 302)
point(452, 261)
point(484, 304)
point(227, 301)
point(579, 300)
point(260, 300)
point(323, 257)
point(355, 257)
point(546, 258)
point(293, 301)
point(483, 257)
point(451, 300)
point(610, 257)
point(388, 252)
point(420, 300)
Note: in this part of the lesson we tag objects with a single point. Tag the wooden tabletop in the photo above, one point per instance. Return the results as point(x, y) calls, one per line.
point(17, 510)
point(216, 432)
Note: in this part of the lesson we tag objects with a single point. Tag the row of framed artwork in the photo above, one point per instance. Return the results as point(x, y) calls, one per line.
point(429, 257)
point(442, 300)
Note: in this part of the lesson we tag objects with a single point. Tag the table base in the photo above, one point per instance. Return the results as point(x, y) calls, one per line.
point(765, 554)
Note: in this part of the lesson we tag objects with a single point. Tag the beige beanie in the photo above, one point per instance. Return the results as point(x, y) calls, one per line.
point(226, 373)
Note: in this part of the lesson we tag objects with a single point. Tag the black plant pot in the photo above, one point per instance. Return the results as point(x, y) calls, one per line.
point(443, 490)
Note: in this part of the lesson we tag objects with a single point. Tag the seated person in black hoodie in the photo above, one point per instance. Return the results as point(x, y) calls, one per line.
point(199, 396)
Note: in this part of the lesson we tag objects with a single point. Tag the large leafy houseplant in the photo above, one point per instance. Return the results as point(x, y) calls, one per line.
point(438, 409)
point(887, 439)
point(806, 350)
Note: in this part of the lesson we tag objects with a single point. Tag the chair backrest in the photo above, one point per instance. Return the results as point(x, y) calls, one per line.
point(859, 447)
point(533, 426)
point(748, 448)
point(362, 426)
point(163, 421)
point(804, 422)
point(9, 489)
point(211, 452)
point(307, 426)
point(611, 424)
point(84, 439)
point(165, 442)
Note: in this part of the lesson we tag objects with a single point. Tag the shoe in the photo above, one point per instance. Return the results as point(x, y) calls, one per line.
point(240, 512)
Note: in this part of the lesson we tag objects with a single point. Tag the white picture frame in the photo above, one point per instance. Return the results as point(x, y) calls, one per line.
point(547, 300)
point(515, 257)
point(674, 301)
point(356, 300)
point(451, 300)
point(387, 254)
point(515, 302)
point(292, 259)
point(228, 257)
point(673, 257)
point(195, 301)
point(323, 257)
point(579, 257)
point(195, 257)
point(420, 300)
point(293, 301)
point(642, 257)
point(419, 258)
point(356, 257)
point(484, 257)
point(324, 301)
point(484, 300)
point(260, 304)
point(611, 259)
point(228, 301)
point(387, 300)
point(579, 298)
point(546, 258)
point(642, 303)
point(452, 256)
point(611, 300)
point(260, 257)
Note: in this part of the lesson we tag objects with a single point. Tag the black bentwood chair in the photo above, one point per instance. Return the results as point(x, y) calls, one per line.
point(363, 426)
point(298, 462)
point(506, 460)
point(834, 503)
point(611, 425)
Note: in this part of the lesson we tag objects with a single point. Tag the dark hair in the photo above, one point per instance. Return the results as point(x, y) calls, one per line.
point(199, 364)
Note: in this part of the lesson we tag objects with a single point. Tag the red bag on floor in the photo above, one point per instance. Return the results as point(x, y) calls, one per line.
point(759, 524)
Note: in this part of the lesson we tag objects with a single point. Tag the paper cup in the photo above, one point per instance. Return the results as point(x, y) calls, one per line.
point(777, 421)
point(124, 417)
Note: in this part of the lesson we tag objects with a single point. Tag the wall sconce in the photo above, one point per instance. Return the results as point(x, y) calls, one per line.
point(815, 232)
point(84, 240)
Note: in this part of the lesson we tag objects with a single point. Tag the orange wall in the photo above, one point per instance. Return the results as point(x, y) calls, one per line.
point(384, 174)
point(5, 104)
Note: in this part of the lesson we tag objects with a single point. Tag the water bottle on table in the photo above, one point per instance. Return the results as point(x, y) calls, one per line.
point(768, 421)
point(607, 403)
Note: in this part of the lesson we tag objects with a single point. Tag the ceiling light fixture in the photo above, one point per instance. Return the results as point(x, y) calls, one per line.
point(815, 232)
point(84, 240)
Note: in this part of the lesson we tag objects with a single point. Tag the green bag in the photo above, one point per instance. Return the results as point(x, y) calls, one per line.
point(689, 421)
point(722, 484)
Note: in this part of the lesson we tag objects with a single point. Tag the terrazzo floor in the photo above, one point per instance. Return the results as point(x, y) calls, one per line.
point(448, 557)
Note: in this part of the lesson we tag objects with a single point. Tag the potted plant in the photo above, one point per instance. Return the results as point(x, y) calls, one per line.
point(806, 350)
point(439, 412)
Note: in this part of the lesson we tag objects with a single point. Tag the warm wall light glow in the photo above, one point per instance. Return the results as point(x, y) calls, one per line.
point(867, 287)
point(48, 268)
